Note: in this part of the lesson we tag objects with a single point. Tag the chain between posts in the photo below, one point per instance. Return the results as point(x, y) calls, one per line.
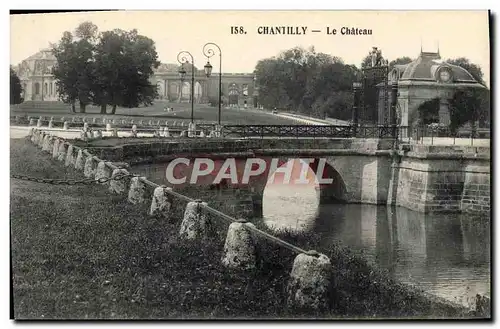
point(86, 181)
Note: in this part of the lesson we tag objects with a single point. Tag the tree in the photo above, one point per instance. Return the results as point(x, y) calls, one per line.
point(400, 61)
point(74, 68)
point(124, 63)
point(473, 69)
point(15, 88)
point(469, 106)
point(302, 80)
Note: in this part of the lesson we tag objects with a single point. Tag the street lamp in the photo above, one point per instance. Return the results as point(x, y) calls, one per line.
point(181, 58)
point(208, 51)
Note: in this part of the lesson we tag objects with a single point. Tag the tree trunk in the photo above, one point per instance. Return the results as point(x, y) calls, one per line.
point(113, 110)
point(103, 108)
point(73, 107)
point(82, 107)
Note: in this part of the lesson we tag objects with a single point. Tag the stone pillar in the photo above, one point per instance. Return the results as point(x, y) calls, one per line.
point(40, 138)
point(136, 191)
point(356, 87)
point(66, 125)
point(50, 144)
point(80, 160)
point(194, 224)
point(118, 186)
point(444, 111)
point(89, 167)
point(45, 144)
point(32, 122)
point(192, 129)
point(70, 159)
point(309, 281)
point(55, 148)
point(85, 127)
point(61, 154)
point(239, 248)
point(102, 171)
point(108, 126)
point(161, 202)
point(39, 122)
point(51, 123)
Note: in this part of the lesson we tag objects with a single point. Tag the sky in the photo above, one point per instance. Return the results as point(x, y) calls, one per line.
point(396, 33)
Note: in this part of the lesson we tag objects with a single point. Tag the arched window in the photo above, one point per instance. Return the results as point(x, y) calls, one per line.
point(45, 88)
point(245, 90)
point(37, 88)
point(50, 87)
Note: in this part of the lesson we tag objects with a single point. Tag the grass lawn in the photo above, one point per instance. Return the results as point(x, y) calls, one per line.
point(80, 253)
point(182, 112)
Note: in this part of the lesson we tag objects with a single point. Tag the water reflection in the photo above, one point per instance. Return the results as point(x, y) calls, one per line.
point(444, 254)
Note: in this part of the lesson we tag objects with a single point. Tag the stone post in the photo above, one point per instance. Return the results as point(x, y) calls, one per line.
point(89, 170)
point(102, 171)
point(30, 132)
point(61, 154)
point(118, 186)
point(80, 161)
point(239, 248)
point(70, 159)
point(192, 129)
point(55, 148)
point(136, 191)
point(114, 133)
point(40, 138)
point(161, 202)
point(32, 122)
point(85, 127)
point(66, 125)
point(46, 144)
point(50, 144)
point(39, 122)
point(194, 224)
point(94, 120)
point(51, 124)
point(108, 126)
point(309, 281)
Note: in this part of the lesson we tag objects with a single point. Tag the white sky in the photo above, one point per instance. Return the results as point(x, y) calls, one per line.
point(397, 33)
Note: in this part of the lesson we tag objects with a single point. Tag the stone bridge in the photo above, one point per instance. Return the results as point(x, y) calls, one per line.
point(419, 177)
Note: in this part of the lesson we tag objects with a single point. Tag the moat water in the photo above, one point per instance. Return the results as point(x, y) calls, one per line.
point(447, 255)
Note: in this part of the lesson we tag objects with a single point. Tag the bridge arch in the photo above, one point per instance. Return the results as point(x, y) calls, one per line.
point(313, 183)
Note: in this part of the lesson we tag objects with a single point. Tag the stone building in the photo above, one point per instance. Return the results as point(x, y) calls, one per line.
point(424, 79)
point(237, 88)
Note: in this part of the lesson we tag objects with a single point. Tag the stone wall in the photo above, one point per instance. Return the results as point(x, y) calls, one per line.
point(441, 183)
point(476, 189)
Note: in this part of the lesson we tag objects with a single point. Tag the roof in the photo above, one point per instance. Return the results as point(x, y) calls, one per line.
point(42, 54)
point(426, 67)
point(173, 68)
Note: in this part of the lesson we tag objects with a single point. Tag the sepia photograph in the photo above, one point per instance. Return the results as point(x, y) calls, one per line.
point(250, 165)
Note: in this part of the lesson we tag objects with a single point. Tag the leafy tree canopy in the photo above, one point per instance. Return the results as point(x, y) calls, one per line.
point(16, 89)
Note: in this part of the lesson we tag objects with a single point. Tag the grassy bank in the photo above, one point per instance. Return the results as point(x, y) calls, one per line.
point(81, 253)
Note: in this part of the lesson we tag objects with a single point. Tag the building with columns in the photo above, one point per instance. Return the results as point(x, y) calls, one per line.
point(424, 79)
point(237, 88)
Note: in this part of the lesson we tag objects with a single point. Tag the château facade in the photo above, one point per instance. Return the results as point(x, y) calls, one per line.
point(237, 88)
